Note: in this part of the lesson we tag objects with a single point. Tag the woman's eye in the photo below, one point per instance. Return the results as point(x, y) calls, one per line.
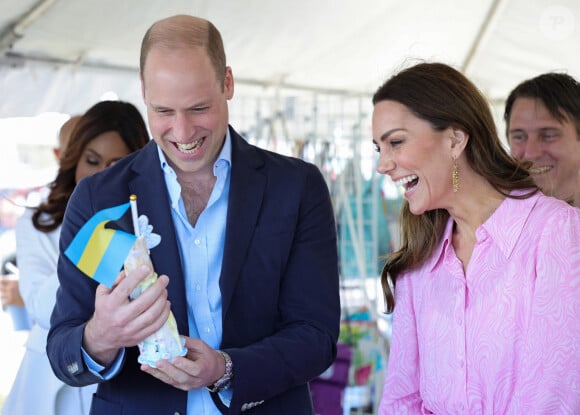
point(92, 162)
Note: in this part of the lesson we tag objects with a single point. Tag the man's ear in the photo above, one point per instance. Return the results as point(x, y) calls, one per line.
point(229, 83)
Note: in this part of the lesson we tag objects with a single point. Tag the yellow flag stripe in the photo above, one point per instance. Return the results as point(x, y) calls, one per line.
point(95, 248)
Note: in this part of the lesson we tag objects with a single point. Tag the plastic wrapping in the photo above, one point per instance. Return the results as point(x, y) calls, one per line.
point(165, 343)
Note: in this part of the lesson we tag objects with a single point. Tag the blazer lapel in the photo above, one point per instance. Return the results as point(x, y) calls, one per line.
point(153, 201)
point(247, 185)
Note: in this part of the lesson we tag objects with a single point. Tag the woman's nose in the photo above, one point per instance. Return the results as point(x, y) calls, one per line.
point(386, 164)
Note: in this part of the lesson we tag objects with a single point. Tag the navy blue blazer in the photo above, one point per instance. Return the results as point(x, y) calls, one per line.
point(279, 283)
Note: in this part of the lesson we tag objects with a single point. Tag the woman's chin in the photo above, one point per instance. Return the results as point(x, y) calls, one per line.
point(416, 210)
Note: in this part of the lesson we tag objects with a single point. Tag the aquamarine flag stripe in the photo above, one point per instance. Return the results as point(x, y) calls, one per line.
point(113, 258)
point(75, 250)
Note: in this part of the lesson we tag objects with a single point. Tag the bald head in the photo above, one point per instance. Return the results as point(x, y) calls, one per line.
point(185, 32)
point(64, 135)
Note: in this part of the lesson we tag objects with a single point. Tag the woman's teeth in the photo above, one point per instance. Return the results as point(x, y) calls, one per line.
point(408, 179)
point(189, 147)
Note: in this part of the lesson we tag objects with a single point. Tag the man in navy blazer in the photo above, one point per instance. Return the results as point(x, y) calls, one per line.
point(247, 259)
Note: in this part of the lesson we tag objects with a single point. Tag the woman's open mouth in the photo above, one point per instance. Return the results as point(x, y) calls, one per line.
point(408, 182)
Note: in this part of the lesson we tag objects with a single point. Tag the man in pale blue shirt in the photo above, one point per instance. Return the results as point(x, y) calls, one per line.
point(247, 260)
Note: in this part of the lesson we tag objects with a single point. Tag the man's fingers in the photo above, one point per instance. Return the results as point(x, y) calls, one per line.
point(127, 282)
point(177, 373)
point(103, 289)
point(151, 320)
point(151, 295)
point(127, 322)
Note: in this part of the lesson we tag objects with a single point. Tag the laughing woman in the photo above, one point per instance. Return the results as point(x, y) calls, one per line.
point(486, 283)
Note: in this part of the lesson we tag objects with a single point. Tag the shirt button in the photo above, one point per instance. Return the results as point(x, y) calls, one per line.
point(461, 363)
point(207, 330)
point(197, 242)
point(459, 321)
point(197, 287)
point(461, 407)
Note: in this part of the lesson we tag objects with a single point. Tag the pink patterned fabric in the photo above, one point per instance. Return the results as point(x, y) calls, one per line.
point(502, 338)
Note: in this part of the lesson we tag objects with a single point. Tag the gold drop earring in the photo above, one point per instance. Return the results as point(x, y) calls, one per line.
point(455, 175)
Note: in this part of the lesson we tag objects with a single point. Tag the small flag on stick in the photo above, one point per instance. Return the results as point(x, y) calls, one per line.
point(99, 251)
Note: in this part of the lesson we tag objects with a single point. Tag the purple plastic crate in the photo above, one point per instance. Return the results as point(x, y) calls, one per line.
point(327, 389)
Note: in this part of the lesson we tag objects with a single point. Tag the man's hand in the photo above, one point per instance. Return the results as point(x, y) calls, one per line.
point(200, 367)
point(119, 322)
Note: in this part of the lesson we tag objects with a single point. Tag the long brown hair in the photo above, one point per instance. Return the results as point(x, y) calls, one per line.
point(444, 97)
point(102, 117)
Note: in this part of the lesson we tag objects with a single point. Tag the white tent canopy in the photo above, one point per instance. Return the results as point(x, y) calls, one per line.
point(62, 55)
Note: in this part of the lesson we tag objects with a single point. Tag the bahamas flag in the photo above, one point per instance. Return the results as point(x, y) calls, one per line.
point(99, 251)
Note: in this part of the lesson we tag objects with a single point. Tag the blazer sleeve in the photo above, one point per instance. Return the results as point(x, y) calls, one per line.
point(75, 299)
point(303, 302)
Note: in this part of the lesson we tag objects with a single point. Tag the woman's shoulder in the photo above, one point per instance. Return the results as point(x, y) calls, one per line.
point(25, 227)
point(550, 208)
point(552, 220)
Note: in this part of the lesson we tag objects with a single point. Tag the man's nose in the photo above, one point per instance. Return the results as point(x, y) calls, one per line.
point(182, 128)
point(533, 149)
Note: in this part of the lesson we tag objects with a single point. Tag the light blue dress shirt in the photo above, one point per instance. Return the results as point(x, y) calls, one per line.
point(201, 249)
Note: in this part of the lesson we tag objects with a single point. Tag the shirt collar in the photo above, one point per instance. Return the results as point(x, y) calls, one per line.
point(173, 187)
point(441, 249)
point(504, 226)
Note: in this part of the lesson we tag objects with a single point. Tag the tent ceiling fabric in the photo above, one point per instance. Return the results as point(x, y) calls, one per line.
point(58, 55)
